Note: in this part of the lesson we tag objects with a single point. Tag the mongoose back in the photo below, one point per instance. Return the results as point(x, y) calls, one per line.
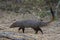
point(35, 25)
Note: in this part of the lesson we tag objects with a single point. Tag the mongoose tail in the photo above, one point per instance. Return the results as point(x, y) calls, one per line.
point(52, 15)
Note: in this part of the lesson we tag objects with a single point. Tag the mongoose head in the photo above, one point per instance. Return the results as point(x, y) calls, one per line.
point(13, 26)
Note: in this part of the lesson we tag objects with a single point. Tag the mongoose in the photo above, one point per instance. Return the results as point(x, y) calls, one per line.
point(32, 24)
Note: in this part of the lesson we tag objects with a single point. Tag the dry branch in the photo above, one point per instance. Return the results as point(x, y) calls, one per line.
point(15, 36)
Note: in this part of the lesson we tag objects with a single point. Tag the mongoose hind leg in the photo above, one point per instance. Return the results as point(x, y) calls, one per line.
point(40, 30)
point(36, 31)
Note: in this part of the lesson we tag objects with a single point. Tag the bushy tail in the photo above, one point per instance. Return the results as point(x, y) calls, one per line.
point(52, 19)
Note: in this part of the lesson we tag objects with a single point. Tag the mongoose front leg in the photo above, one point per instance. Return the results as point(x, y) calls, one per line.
point(23, 29)
point(19, 29)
